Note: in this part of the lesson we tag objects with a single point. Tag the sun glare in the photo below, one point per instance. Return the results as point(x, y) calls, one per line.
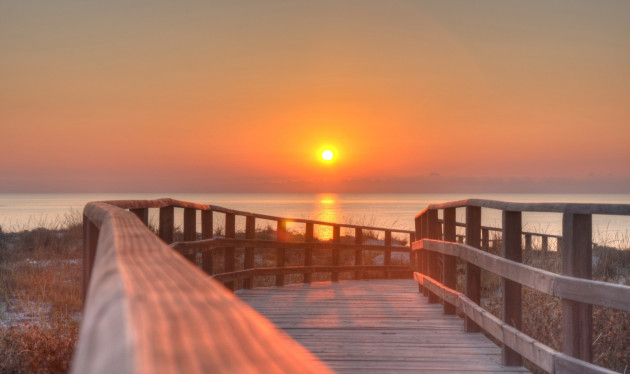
point(327, 155)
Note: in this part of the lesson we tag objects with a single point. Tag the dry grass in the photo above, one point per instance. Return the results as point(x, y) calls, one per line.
point(542, 314)
point(40, 297)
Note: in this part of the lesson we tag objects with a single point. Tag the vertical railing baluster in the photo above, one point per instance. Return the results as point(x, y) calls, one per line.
point(207, 256)
point(281, 235)
point(142, 214)
point(248, 262)
point(308, 250)
point(449, 273)
point(230, 233)
point(167, 223)
point(473, 273)
point(512, 295)
point(577, 318)
point(358, 253)
point(544, 246)
point(190, 224)
point(190, 231)
point(425, 253)
point(387, 255)
point(412, 254)
point(335, 252)
point(207, 224)
point(418, 269)
point(434, 232)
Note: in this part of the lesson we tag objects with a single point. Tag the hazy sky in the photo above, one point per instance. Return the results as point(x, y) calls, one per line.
point(241, 95)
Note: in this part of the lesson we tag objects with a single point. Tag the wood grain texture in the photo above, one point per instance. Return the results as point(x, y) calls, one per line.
point(167, 223)
point(582, 290)
point(544, 357)
point(449, 274)
point(375, 326)
point(573, 208)
point(164, 202)
point(215, 243)
point(577, 318)
point(149, 311)
point(472, 286)
point(511, 310)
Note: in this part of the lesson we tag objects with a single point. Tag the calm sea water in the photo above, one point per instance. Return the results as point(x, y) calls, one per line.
point(28, 211)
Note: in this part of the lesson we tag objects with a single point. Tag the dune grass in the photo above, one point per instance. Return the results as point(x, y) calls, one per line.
point(40, 296)
point(542, 313)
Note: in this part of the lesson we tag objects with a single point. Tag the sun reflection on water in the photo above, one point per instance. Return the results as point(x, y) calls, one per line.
point(327, 210)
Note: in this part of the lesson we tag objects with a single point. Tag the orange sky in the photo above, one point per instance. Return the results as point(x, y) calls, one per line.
point(240, 95)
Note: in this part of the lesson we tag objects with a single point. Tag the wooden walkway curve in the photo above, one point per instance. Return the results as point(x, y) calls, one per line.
point(376, 326)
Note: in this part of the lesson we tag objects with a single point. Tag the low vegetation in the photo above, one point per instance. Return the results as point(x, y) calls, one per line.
point(40, 297)
point(542, 314)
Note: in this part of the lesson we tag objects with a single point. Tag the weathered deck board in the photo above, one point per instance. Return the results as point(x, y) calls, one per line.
point(376, 326)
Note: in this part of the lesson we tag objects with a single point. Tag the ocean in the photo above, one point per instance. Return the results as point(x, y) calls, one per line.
point(28, 211)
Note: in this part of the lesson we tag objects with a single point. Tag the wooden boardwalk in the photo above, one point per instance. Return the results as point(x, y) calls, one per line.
point(376, 326)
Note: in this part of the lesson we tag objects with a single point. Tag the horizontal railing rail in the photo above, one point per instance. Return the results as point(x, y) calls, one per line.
point(569, 208)
point(142, 299)
point(436, 251)
point(147, 310)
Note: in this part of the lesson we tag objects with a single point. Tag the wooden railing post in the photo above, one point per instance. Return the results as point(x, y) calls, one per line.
point(485, 239)
point(308, 250)
point(512, 296)
point(412, 254)
point(577, 318)
point(358, 253)
point(544, 246)
point(387, 254)
point(190, 224)
point(248, 262)
point(207, 224)
point(528, 242)
point(418, 224)
point(142, 214)
point(167, 223)
point(449, 274)
point(425, 253)
point(434, 232)
point(473, 273)
point(230, 233)
point(190, 230)
point(90, 242)
point(207, 257)
point(281, 232)
point(335, 252)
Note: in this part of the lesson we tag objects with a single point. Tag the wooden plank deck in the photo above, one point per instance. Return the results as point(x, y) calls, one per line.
point(376, 326)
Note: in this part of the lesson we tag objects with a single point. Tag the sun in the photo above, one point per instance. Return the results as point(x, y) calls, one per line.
point(327, 155)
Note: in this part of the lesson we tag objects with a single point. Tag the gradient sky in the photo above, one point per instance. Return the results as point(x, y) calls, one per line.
point(207, 96)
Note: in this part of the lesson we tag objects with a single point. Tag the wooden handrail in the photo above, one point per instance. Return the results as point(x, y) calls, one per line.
point(578, 292)
point(218, 243)
point(577, 289)
point(573, 208)
point(143, 299)
point(541, 355)
point(166, 202)
point(148, 310)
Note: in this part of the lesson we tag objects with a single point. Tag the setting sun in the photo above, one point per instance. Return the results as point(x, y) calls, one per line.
point(327, 155)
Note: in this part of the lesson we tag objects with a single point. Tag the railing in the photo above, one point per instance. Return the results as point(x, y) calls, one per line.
point(437, 250)
point(488, 242)
point(145, 305)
